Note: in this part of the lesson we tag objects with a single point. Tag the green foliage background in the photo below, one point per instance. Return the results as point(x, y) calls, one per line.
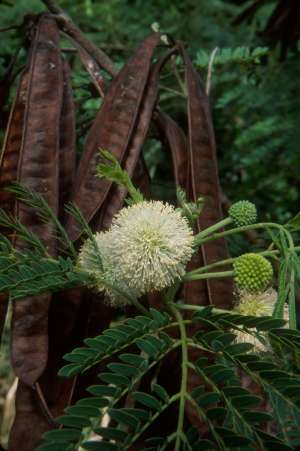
point(254, 99)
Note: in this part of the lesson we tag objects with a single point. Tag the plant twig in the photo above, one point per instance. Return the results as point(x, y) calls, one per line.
point(43, 404)
point(53, 7)
point(210, 68)
point(74, 32)
point(11, 27)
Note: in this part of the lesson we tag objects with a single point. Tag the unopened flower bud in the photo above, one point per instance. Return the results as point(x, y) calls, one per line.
point(243, 213)
point(252, 272)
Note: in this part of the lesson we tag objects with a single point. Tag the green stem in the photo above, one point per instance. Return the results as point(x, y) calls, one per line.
point(184, 376)
point(200, 308)
point(231, 407)
point(292, 302)
point(202, 414)
point(171, 292)
point(177, 75)
point(229, 261)
point(263, 225)
point(210, 275)
point(153, 418)
point(139, 306)
point(100, 357)
point(131, 300)
point(219, 225)
point(173, 91)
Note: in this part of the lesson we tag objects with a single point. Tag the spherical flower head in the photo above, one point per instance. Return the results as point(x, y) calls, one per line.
point(94, 258)
point(152, 243)
point(243, 213)
point(252, 272)
point(256, 304)
point(259, 304)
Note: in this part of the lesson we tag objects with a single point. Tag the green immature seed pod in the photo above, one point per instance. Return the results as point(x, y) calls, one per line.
point(243, 213)
point(252, 272)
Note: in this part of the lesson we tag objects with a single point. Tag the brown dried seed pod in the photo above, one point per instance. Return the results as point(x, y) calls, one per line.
point(9, 164)
point(204, 179)
point(173, 136)
point(38, 169)
point(12, 144)
point(136, 143)
point(30, 422)
point(112, 130)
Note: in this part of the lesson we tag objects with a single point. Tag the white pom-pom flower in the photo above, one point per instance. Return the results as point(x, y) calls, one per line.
point(146, 249)
point(94, 258)
point(151, 245)
point(258, 304)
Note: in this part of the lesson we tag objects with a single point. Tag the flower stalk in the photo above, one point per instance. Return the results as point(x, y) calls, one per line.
point(210, 275)
point(219, 225)
point(199, 240)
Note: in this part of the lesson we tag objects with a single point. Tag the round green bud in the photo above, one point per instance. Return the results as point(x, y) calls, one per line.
point(243, 213)
point(252, 272)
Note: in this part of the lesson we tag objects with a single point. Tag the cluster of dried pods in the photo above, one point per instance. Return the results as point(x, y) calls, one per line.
point(39, 152)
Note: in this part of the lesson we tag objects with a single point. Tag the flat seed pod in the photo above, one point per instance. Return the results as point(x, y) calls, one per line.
point(30, 421)
point(173, 136)
point(112, 130)
point(204, 181)
point(38, 170)
point(12, 144)
point(138, 138)
point(63, 305)
point(60, 330)
point(9, 164)
point(93, 69)
point(67, 326)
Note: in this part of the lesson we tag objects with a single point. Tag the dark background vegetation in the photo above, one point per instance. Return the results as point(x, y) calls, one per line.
point(254, 93)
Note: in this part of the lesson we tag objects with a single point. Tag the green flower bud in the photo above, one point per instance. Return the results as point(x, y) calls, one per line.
point(243, 213)
point(252, 272)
